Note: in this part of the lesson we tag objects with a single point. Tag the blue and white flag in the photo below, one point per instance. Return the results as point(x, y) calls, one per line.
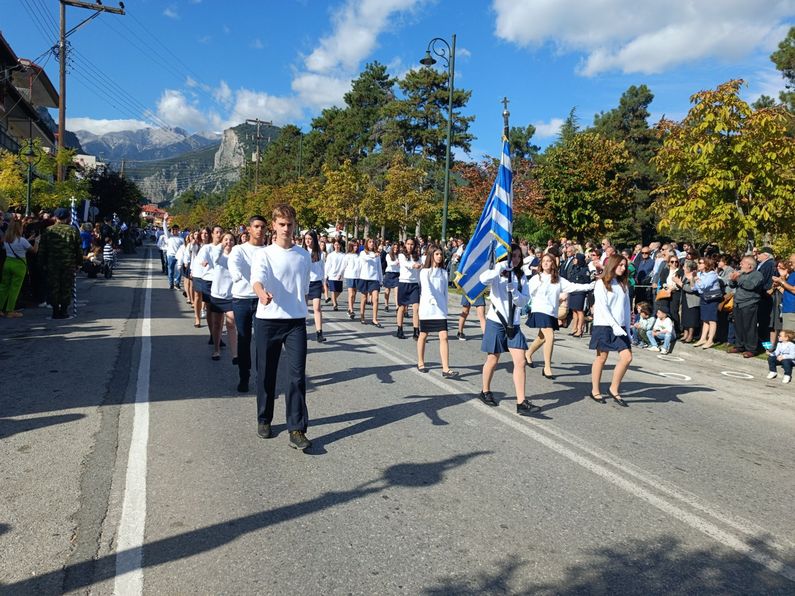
point(491, 241)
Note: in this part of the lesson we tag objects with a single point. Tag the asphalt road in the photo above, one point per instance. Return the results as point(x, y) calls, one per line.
point(130, 463)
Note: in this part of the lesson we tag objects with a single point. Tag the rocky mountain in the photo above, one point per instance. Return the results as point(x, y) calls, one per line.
point(212, 167)
point(145, 144)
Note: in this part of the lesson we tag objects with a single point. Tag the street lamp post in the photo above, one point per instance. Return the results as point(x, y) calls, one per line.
point(31, 158)
point(447, 54)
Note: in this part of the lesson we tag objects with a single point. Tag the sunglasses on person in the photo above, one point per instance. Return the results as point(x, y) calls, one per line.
point(645, 254)
point(674, 261)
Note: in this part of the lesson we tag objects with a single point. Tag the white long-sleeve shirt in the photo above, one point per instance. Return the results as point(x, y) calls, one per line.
point(500, 298)
point(284, 273)
point(546, 295)
point(611, 309)
point(351, 270)
point(408, 273)
point(222, 278)
point(317, 270)
point(663, 326)
point(433, 293)
point(392, 263)
point(208, 253)
point(240, 260)
point(335, 266)
point(786, 349)
point(370, 266)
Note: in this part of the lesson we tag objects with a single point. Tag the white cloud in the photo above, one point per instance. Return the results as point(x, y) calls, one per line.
point(320, 91)
point(257, 44)
point(171, 12)
point(644, 37)
point(226, 29)
point(546, 130)
point(223, 94)
point(356, 29)
point(765, 82)
point(463, 53)
point(174, 109)
point(205, 39)
point(254, 104)
point(101, 127)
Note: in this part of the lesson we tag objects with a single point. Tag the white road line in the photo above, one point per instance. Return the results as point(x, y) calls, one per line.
point(129, 545)
point(693, 520)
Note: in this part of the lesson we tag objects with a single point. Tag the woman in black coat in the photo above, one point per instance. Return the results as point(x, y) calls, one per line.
point(578, 274)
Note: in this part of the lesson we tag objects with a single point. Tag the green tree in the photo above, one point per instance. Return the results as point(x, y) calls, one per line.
point(585, 185)
point(570, 126)
point(728, 170)
point(521, 143)
point(12, 181)
point(112, 193)
point(784, 59)
point(629, 123)
point(282, 158)
point(407, 200)
point(764, 102)
point(342, 194)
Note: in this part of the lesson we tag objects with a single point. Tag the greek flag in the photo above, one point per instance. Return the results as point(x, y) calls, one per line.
point(491, 241)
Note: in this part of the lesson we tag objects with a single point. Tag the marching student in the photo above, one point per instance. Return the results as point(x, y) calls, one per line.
point(433, 309)
point(244, 299)
point(183, 261)
point(221, 298)
point(503, 333)
point(350, 274)
point(335, 267)
point(197, 270)
point(610, 330)
point(172, 245)
point(545, 290)
point(370, 278)
point(392, 273)
point(409, 287)
point(311, 244)
point(280, 278)
point(207, 257)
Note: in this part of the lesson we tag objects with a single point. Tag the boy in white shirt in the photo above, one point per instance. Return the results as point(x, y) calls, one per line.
point(280, 279)
point(784, 354)
point(663, 330)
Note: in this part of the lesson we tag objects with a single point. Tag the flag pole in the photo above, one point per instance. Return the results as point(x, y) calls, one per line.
point(75, 223)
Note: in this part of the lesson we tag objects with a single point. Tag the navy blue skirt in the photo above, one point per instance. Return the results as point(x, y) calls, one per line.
point(315, 290)
point(334, 285)
point(577, 300)
point(604, 340)
point(538, 320)
point(391, 279)
point(479, 301)
point(221, 304)
point(365, 286)
point(495, 340)
point(708, 311)
point(408, 293)
point(351, 284)
point(433, 325)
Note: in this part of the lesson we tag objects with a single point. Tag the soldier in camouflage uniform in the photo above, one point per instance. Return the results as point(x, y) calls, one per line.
point(59, 251)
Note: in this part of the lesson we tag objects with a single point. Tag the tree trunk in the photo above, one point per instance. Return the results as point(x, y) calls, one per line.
point(417, 230)
point(383, 231)
point(355, 227)
point(366, 227)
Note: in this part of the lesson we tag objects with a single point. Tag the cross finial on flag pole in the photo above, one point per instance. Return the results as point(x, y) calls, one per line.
point(505, 115)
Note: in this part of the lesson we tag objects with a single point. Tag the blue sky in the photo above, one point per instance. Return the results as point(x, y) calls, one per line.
point(209, 64)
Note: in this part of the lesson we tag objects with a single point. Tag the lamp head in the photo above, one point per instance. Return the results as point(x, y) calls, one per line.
point(428, 60)
point(30, 155)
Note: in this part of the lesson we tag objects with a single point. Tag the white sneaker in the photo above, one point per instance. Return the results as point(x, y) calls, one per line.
point(653, 349)
point(772, 375)
point(786, 379)
point(663, 351)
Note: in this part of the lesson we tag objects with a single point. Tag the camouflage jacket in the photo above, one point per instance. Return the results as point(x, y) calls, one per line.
point(59, 247)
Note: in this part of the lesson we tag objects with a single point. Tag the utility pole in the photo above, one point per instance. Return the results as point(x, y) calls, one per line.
point(97, 8)
point(257, 121)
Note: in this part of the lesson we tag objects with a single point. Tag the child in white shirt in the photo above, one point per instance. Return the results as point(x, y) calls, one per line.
point(643, 326)
point(784, 354)
point(663, 330)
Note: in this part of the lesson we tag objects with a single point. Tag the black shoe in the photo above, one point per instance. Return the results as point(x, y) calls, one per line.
point(461, 336)
point(351, 316)
point(264, 430)
point(617, 399)
point(386, 308)
point(234, 361)
point(298, 440)
point(319, 337)
point(546, 376)
point(242, 386)
point(597, 397)
point(170, 286)
point(336, 308)
point(487, 398)
point(526, 408)
point(399, 333)
point(328, 300)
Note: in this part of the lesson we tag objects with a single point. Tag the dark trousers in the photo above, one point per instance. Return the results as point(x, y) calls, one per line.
point(244, 309)
point(271, 335)
point(174, 272)
point(745, 322)
point(786, 364)
point(163, 260)
point(765, 317)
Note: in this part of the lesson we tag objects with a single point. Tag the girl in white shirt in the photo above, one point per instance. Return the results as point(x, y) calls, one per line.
point(433, 309)
point(311, 244)
point(351, 273)
point(221, 295)
point(409, 287)
point(196, 270)
point(545, 290)
point(335, 267)
point(610, 330)
point(392, 273)
point(508, 294)
point(370, 278)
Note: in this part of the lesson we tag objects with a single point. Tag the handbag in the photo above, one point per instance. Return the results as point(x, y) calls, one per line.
point(713, 295)
point(663, 294)
point(727, 305)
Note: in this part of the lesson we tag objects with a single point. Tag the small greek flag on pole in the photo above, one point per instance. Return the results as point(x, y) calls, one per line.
point(491, 241)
